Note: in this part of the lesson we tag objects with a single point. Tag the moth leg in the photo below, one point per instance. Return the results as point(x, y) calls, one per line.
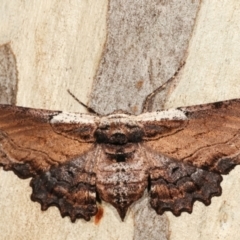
point(70, 187)
point(175, 186)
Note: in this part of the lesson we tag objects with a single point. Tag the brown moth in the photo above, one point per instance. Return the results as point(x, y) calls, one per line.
point(75, 159)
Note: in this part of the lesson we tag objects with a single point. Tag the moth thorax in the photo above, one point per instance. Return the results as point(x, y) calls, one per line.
point(118, 134)
point(119, 153)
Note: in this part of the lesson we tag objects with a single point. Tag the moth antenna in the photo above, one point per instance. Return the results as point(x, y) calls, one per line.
point(149, 99)
point(84, 105)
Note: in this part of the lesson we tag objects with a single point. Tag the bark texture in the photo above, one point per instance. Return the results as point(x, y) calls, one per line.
point(59, 46)
point(8, 75)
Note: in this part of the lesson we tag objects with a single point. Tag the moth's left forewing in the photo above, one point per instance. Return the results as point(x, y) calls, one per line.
point(30, 142)
point(57, 150)
point(77, 126)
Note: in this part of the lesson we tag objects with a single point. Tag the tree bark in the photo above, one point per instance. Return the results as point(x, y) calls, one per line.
point(118, 52)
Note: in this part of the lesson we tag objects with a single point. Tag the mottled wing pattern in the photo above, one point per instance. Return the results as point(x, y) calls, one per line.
point(187, 160)
point(175, 186)
point(71, 187)
point(36, 143)
point(179, 154)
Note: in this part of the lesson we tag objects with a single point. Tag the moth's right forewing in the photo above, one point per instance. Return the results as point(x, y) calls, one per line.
point(209, 137)
point(161, 123)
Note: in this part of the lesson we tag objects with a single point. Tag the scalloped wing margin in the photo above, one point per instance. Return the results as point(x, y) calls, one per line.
point(176, 186)
point(70, 187)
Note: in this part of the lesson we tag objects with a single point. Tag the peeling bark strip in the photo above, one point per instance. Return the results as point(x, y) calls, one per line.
point(8, 75)
point(179, 154)
point(145, 46)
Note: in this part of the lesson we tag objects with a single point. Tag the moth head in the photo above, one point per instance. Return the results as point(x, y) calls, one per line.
point(118, 129)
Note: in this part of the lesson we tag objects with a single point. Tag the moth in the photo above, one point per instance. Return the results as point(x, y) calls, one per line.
point(75, 159)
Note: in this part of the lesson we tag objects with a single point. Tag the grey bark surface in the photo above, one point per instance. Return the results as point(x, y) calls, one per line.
point(59, 46)
point(8, 75)
point(146, 43)
point(145, 46)
point(211, 74)
point(154, 227)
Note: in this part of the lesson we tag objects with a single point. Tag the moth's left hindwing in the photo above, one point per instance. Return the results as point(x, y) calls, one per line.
point(71, 187)
point(39, 144)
